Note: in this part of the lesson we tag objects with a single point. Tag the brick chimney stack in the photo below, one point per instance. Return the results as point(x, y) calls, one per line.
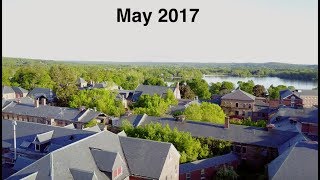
point(227, 122)
point(44, 101)
point(36, 103)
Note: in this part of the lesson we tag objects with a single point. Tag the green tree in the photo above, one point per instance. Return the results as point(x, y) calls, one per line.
point(29, 77)
point(151, 105)
point(186, 92)
point(104, 100)
point(274, 92)
point(226, 173)
point(259, 90)
point(189, 148)
point(215, 88)
point(200, 87)
point(206, 112)
point(154, 81)
point(246, 86)
point(64, 78)
point(170, 98)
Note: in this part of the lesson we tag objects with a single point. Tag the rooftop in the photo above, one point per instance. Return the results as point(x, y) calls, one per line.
point(97, 155)
point(298, 162)
point(206, 163)
point(238, 94)
point(63, 113)
point(235, 133)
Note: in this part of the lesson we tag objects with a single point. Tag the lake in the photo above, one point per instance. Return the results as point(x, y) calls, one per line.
point(265, 81)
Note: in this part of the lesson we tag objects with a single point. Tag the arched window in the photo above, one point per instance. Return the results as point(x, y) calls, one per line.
point(237, 104)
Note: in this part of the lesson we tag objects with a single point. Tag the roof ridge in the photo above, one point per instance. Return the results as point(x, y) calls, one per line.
point(290, 151)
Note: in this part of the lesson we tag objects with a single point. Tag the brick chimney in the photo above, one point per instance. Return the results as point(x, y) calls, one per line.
point(36, 103)
point(270, 127)
point(227, 122)
point(44, 101)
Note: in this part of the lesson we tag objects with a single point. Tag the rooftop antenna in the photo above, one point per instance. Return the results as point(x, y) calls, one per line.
point(14, 123)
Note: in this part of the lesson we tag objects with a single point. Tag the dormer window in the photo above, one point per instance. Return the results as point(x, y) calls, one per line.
point(37, 147)
point(71, 138)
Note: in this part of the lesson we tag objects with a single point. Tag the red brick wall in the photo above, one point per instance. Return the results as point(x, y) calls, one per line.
point(209, 173)
point(311, 129)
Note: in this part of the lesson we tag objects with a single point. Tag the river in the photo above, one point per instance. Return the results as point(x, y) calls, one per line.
point(265, 81)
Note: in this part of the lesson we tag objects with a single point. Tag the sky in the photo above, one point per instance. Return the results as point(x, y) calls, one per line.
point(224, 31)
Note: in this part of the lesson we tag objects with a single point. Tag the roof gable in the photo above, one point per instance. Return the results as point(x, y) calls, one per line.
point(299, 162)
point(44, 137)
point(83, 175)
point(141, 155)
point(106, 161)
point(239, 95)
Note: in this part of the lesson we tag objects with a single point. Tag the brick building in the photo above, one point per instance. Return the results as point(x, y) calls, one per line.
point(207, 168)
point(299, 98)
point(106, 156)
point(51, 115)
point(241, 104)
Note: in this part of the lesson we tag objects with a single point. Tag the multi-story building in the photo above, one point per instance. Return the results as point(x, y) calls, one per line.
point(107, 156)
point(299, 98)
point(241, 104)
point(51, 115)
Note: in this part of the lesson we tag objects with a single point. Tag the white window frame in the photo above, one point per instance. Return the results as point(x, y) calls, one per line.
point(188, 176)
point(35, 147)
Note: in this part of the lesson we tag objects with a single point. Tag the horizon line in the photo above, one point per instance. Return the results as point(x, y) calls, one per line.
point(141, 61)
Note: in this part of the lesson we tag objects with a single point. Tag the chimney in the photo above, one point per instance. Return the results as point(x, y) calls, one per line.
point(44, 101)
point(270, 127)
point(36, 103)
point(18, 100)
point(95, 108)
point(227, 122)
point(14, 123)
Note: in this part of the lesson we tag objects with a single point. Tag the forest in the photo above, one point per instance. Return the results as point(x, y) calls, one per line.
point(61, 76)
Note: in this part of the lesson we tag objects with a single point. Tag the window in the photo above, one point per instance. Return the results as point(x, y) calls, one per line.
point(238, 148)
point(250, 106)
point(117, 172)
point(37, 147)
point(244, 149)
point(203, 174)
point(243, 113)
point(244, 105)
point(188, 176)
point(237, 104)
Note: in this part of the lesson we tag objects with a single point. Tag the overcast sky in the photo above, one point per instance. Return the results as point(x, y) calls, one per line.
point(225, 31)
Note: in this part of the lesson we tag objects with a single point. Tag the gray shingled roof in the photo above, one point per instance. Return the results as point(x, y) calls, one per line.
point(307, 115)
point(307, 92)
point(144, 157)
point(150, 90)
point(206, 163)
point(80, 174)
point(235, 133)
point(22, 162)
point(27, 131)
point(64, 113)
point(298, 163)
point(7, 90)
point(44, 137)
point(139, 156)
point(238, 94)
point(285, 93)
point(106, 160)
point(38, 92)
point(75, 156)
point(19, 89)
